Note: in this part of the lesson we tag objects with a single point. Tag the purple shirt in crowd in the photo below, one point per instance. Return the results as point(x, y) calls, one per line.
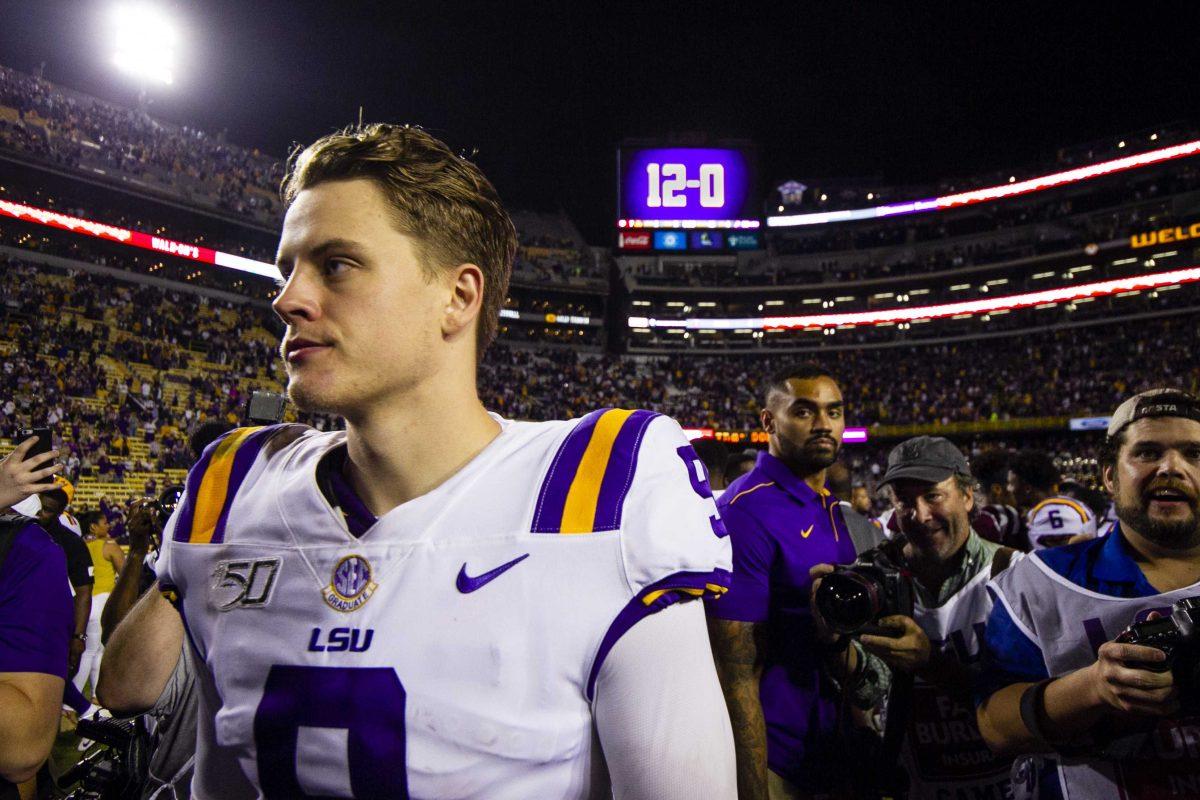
point(36, 612)
point(780, 528)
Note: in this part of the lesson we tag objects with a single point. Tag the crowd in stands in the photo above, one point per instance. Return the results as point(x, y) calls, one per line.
point(540, 259)
point(49, 123)
point(1072, 372)
point(124, 372)
point(72, 129)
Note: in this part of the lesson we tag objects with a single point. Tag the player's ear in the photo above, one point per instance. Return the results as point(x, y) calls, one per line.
point(768, 420)
point(464, 300)
point(1107, 475)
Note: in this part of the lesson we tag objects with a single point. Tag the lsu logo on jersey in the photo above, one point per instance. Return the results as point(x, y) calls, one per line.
point(351, 585)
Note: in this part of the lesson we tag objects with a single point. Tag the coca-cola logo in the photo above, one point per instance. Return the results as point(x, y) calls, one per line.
point(635, 241)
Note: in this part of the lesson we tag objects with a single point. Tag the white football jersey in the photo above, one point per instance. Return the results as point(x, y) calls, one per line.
point(451, 651)
point(1059, 517)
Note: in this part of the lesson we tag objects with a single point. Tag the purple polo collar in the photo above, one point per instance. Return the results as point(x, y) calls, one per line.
point(787, 480)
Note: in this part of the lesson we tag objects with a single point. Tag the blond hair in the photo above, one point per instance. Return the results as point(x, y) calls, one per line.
point(440, 199)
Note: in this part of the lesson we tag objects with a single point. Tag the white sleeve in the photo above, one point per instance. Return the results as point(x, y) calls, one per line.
point(660, 714)
point(672, 537)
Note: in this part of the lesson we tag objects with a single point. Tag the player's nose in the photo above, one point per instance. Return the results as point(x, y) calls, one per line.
point(298, 299)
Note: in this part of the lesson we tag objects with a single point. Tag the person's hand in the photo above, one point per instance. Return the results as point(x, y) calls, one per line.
point(76, 653)
point(140, 526)
point(825, 633)
point(20, 477)
point(905, 647)
point(1122, 684)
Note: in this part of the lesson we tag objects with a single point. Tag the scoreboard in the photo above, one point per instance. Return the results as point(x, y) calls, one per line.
point(691, 199)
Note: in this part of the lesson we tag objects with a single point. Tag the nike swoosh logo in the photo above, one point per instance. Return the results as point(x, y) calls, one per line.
point(466, 584)
point(804, 534)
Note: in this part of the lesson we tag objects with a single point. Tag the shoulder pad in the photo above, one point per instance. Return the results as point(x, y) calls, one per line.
point(215, 479)
point(585, 487)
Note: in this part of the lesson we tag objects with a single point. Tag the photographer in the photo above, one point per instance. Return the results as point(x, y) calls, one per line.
point(169, 699)
point(1122, 723)
point(930, 721)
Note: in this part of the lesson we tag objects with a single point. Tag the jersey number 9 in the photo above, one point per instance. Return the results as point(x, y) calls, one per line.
point(366, 702)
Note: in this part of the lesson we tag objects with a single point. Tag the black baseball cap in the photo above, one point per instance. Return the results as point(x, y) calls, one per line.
point(926, 458)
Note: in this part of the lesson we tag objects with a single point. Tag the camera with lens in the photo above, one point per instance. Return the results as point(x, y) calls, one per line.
point(164, 505)
point(855, 596)
point(115, 771)
point(1178, 637)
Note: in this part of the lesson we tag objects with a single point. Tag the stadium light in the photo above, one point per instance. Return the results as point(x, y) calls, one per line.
point(145, 42)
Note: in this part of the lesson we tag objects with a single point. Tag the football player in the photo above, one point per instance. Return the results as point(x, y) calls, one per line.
point(990, 468)
point(436, 602)
point(1052, 518)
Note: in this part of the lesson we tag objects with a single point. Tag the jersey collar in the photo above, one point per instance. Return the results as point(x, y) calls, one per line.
point(787, 480)
point(1116, 563)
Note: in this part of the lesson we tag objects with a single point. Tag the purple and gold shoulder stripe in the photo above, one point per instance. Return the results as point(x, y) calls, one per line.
point(213, 483)
point(591, 473)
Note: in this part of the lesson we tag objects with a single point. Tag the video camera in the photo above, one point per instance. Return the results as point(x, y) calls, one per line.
point(855, 596)
point(117, 770)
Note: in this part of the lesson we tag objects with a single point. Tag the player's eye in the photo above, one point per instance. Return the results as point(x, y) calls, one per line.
point(337, 266)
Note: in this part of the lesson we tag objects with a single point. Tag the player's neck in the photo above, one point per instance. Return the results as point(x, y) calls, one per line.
point(812, 475)
point(413, 446)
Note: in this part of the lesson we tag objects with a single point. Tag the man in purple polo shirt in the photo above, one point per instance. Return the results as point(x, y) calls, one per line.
point(782, 521)
point(35, 625)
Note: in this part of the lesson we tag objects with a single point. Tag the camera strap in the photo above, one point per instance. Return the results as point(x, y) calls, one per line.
point(892, 777)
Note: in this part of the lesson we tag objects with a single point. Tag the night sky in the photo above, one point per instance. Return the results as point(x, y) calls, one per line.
point(545, 91)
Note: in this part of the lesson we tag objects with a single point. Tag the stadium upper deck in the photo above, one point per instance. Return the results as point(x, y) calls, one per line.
point(229, 192)
point(1067, 253)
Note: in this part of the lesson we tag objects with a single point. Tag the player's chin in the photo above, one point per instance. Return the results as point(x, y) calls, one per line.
point(311, 396)
point(821, 455)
